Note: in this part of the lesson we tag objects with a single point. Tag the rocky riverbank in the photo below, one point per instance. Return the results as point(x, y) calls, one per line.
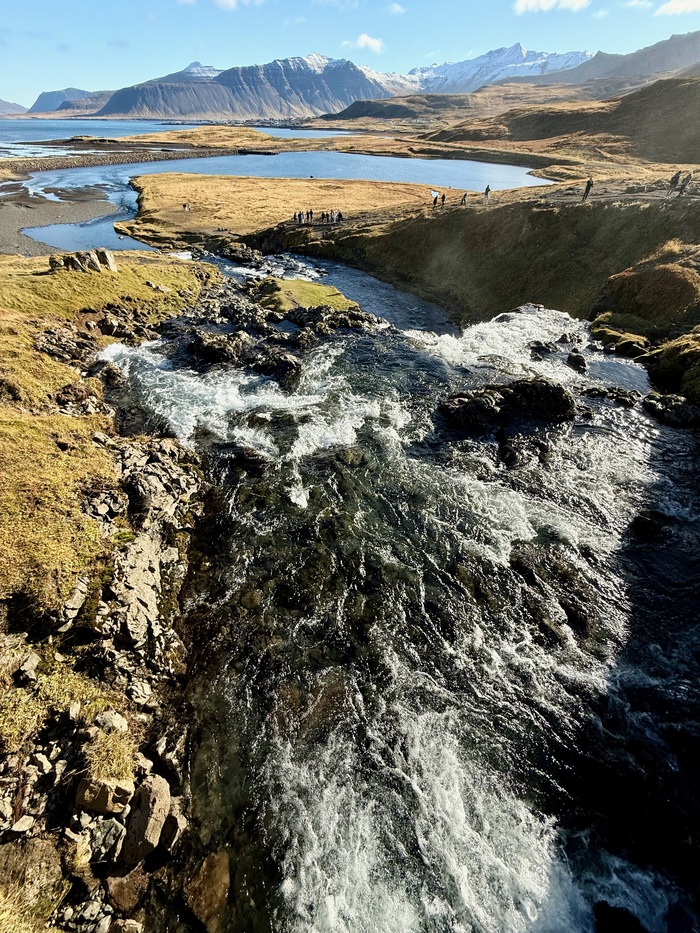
point(94, 533)
point(94, 792)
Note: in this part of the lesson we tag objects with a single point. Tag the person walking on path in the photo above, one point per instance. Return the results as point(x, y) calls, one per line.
point(442, 199)
point(464, 198)
point(684, 184)
point(673, 184)
point(487, 192)
point(435, 200)
point(589, 185)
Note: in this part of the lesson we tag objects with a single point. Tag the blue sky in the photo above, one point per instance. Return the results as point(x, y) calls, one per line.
point(46, 45)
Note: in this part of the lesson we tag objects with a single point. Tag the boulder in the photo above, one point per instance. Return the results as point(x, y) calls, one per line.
point(23, 824)
point(207, 892)
point(673, 410)
point(106, 840)
point(125, 892)
point(126, 926)
point(149, 810)
point(26, 672)
point(111, 721)
point(90, 261)
point(284, 367)
point(101, 796)
point(174, 826)
point(486, 408)
point(107, 260)
point(577, 361)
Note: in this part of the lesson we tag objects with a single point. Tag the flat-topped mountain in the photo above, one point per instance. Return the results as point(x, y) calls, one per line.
point(283, 89)
point(49, 101)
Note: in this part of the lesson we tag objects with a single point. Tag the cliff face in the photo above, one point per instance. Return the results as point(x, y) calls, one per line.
point(283, 89)
point(295, 87)
point(203, 101)
point(49, 101)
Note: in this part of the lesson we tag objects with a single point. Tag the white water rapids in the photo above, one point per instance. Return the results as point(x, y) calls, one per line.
point(389, 722)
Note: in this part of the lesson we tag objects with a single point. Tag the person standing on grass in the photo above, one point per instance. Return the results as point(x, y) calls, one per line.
point(589, 185)
point(487, 192)
point(464, 198)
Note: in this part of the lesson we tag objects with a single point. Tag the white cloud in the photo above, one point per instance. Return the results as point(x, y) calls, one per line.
point(536, 6)
point(234, 4)
point(601, 14)
point(396, 9)
point(365, 42)
point(639, 4)
point(676, 7)
point(339, 4)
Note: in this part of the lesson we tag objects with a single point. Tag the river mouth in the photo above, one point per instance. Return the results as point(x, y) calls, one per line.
point(424, 678)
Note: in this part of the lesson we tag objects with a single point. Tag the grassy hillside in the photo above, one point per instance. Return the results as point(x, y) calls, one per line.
point(477, 263)
point(655, 122)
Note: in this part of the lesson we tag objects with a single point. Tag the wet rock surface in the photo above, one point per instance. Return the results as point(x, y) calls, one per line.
point(484, 409)
point(673, 410)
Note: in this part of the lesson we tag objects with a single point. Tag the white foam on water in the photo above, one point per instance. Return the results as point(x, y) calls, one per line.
point(470, 856)
point(189, 400)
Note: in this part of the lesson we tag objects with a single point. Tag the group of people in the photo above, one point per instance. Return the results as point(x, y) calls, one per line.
point(440, 198)
point(325, 217)
point(676, 184)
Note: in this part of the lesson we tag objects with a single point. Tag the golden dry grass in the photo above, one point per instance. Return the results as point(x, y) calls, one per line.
point(243, 205)
point(46, 539)
point(16, 914)
point(23, 710)
point(48, 460)
point(111, 756)
point(285, 294)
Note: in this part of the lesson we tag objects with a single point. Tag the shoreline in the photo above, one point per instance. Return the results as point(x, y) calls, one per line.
point(19, 211)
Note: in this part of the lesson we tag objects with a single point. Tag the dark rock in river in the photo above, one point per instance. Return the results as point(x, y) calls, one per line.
point(577, 361)
point(673, 410)
point(284, 367)
point(609, 919)
point(486, 408)
point(628, 398)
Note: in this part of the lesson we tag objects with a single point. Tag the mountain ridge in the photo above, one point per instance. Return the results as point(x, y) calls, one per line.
point(298, 87)
point(314, 85)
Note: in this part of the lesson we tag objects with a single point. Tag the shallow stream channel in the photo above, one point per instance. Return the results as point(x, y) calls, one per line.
point(444, 681)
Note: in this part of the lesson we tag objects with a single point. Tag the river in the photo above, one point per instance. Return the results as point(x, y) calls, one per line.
point(435, 692)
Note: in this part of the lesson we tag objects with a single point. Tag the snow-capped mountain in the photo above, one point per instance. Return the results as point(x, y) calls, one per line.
point(494, 66)
point(312, 85)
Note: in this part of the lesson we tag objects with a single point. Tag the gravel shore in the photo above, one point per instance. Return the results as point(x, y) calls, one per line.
point(18, 211)
point(12, 169)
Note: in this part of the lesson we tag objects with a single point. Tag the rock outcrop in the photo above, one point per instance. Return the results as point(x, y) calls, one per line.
point(485, 409)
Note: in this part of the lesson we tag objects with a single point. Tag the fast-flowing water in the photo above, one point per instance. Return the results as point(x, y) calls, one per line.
point(434, 692)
